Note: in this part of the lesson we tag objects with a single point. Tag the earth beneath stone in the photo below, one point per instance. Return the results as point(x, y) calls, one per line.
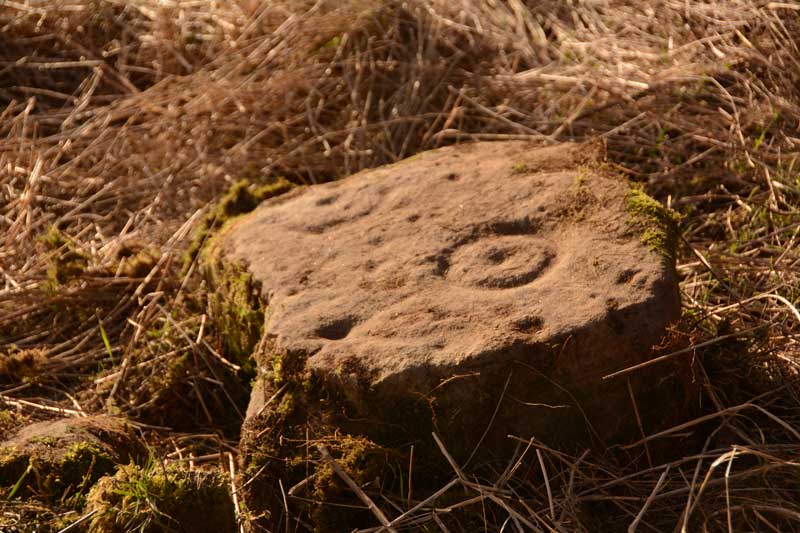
point(496, 282)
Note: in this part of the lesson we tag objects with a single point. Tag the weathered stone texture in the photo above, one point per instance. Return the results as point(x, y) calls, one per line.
point(457, 275)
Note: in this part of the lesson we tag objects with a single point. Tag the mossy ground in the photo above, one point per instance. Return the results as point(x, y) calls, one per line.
point(66, 261)
point(155, 498)
point(50, 474)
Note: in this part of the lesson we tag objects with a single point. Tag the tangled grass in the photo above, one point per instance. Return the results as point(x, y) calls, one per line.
point(121, 122)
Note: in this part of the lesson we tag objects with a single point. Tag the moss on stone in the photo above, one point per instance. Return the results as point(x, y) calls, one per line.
point(235, 301)
point(275, 447)
point(313, 409)
point(519, 168)
point(236, 307)
point(53, 464)
point(658, 225)
point(241, 198)
point(156, 498)
point(287, 368)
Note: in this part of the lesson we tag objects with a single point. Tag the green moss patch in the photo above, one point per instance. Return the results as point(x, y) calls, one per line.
point(658, 225)
point(67, 262)
point(52, 475)
point(237, 310)
point(241, 198)
point(156, 498)
point(235, 301)
point(57, 462)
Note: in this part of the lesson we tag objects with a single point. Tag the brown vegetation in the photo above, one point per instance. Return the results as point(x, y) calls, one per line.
point(121, 122)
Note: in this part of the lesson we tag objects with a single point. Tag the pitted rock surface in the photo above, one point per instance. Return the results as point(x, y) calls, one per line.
point(458, 274)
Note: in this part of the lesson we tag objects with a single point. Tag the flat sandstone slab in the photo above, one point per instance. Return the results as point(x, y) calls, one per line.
point(463, 276)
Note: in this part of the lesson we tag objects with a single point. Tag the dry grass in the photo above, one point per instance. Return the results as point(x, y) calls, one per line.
point(121, 120)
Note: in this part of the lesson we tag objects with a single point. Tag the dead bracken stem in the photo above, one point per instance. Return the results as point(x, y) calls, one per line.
point(237, 509)
point(635, 524)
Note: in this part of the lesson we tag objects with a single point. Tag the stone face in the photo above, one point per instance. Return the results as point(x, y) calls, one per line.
point(466, 277)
